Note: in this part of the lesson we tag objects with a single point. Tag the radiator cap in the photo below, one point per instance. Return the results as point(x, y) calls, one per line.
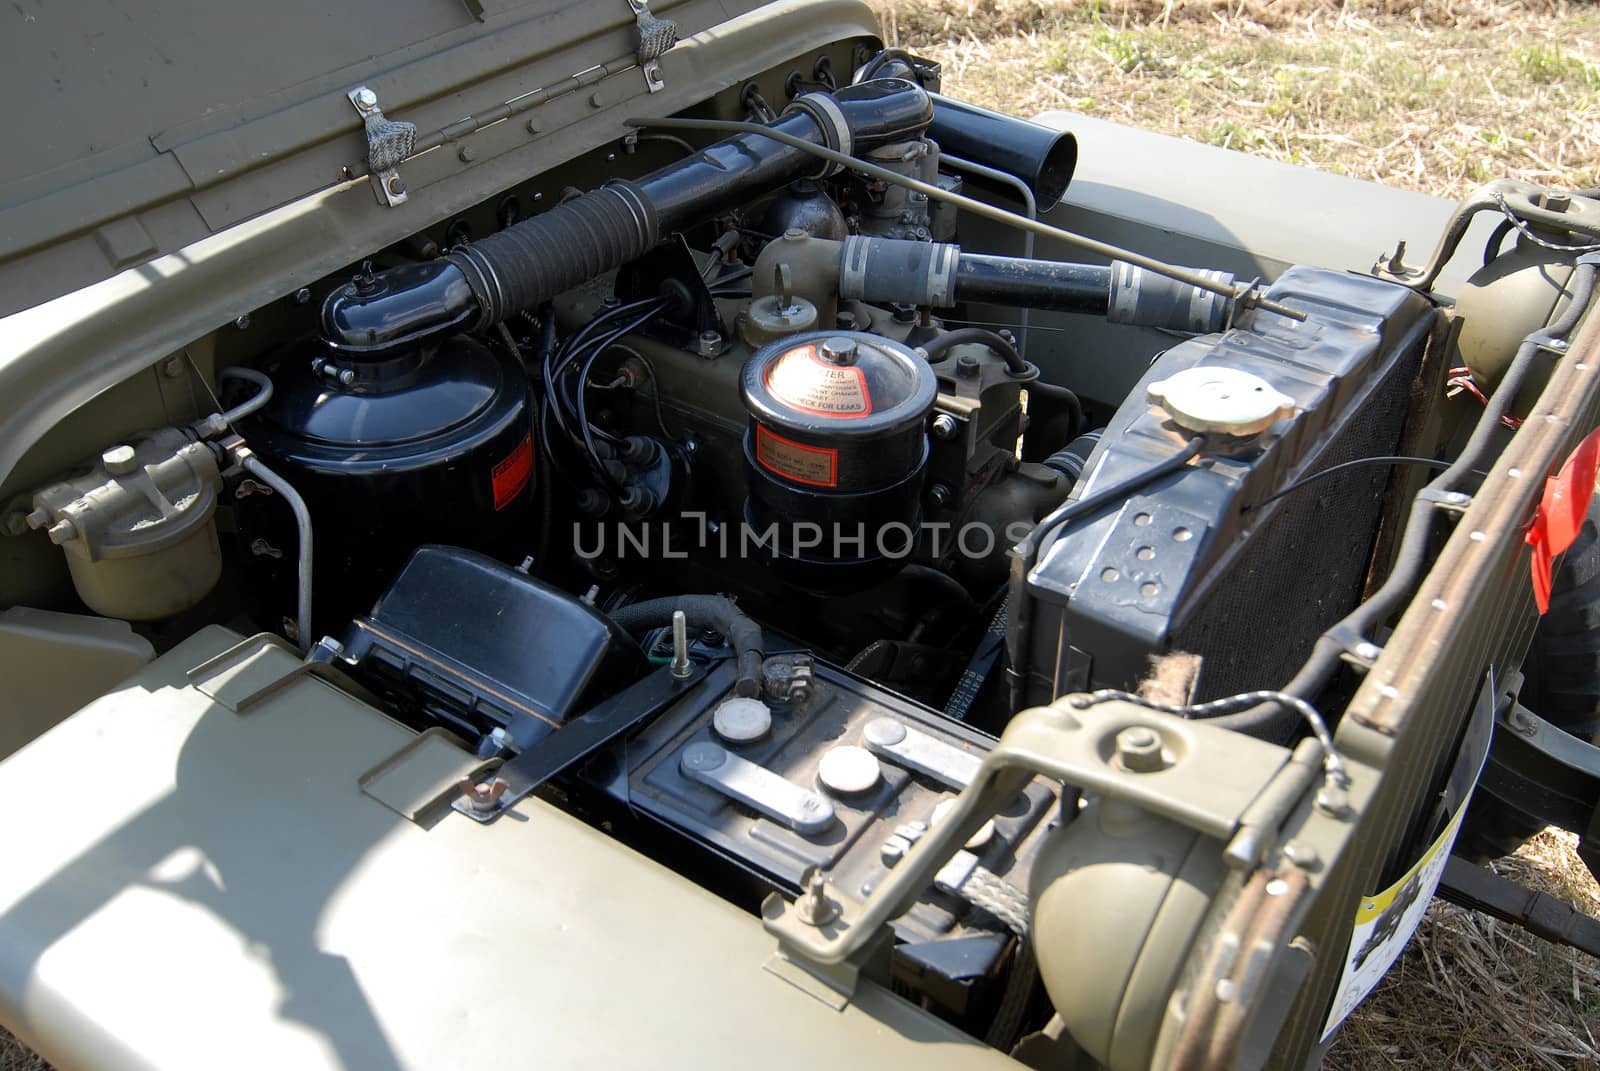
point(1231, 401)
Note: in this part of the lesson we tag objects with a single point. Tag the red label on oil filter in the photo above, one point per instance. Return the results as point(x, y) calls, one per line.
point(511, 475)
point(802, 379)
point(815, 465)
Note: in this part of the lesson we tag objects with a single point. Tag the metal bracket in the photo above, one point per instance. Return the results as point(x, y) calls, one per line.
point(1455, 501)
point(654, 80)
point(1539, 913)
point(572, 743)
point(1206, 789)
point(388, 143)
point(1546, 341)
point(1548, 774)
point(1517, 201)
point(656, 37)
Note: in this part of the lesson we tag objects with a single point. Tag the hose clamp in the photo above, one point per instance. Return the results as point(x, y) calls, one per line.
point(830, 118)
point(643, 215)
point(486, 284)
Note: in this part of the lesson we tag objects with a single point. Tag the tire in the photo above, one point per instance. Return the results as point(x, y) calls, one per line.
point(1561, 683)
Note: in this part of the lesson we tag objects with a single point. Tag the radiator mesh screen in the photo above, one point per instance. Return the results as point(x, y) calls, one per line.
point(1304, 569)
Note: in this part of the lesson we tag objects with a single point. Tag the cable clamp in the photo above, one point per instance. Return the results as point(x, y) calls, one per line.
point(1454, 501)
point(1356, 649)
point(1546, 341)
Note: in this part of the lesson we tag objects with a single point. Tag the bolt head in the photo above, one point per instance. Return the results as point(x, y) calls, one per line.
point(945, 426)
point(838, 350)
point(465, 154)
point(61, 532)
point(1333, 800)
point(1368, 652)
point(302, 296)
point(966, 366)
point(1139, 750)
point(366, 99)
point(120, 460)
point(813, 907)
point(243, 321)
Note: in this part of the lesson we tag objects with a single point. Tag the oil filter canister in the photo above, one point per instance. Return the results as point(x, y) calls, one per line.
point(390, 450)
point(835, 452)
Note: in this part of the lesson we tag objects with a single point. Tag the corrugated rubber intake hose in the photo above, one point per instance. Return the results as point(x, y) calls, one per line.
point(531, 262)
point(712, 612)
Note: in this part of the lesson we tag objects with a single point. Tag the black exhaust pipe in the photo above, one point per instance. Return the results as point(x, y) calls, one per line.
point(1039, 156)
point(526, 264)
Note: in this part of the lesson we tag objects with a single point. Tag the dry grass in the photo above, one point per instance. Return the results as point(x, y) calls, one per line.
point(1472, 992)
point(1434, 95)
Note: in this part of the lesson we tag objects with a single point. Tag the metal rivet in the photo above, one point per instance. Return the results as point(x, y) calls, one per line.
point(1301, 855)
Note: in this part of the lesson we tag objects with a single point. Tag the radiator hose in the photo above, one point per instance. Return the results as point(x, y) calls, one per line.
point(481, 284)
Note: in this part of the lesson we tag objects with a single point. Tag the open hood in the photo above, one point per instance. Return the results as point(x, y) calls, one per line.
point(136, 132)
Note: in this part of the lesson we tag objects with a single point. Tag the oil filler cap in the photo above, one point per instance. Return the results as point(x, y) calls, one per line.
point(1230, 401)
